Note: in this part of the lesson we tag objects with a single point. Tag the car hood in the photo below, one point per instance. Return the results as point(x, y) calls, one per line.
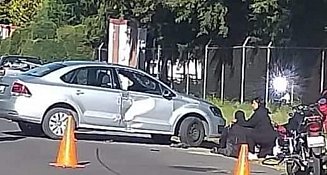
point(192, 99)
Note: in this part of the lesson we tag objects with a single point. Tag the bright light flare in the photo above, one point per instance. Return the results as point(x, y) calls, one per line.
point(280, 84)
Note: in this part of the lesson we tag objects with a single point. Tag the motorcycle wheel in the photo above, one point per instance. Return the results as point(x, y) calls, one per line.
point(289, 168)
point(316, 169)
point(293, 169)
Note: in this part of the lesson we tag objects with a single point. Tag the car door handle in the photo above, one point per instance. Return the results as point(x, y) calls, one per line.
point(125, 96)
point(79, 92)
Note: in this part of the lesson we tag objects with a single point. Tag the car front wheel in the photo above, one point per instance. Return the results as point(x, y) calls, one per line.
point(55, 121)
point(192, 131)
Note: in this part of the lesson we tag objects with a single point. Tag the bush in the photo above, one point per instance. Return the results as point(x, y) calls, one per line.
point(73, 39)
point(4, 46)
point(44, 30)
point(46, 49)
point(43, 39)
point(279, 114)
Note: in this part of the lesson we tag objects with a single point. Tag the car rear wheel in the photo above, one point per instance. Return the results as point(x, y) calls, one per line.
point(30, 129)
point(55, 121)
point(192, 131)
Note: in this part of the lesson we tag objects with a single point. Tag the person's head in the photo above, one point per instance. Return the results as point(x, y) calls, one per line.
point(239, 115)
point(256, 103)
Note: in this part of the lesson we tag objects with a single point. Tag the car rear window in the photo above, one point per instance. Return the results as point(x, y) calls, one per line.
point(44, 69)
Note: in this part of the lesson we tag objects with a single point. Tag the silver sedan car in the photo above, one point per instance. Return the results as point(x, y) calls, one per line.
point(104, 97)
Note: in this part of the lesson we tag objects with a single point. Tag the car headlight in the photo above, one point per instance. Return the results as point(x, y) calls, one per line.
point(215, 111)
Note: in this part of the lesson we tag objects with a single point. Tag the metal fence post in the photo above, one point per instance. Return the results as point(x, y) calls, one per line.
point(322, 71)
point(205, 70)
point(172, 74)
point(243, 68)
point(99, 52)
point(268, 73)
point(222, 87)
point(188, 73)
point(292, 93)
point(159, 64)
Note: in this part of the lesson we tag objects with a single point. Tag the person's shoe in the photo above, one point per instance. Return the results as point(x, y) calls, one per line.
point(214, 150)
point(252, 156)
point(256, 149)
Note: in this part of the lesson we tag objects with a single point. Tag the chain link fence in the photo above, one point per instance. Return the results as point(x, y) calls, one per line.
point(240, 73)
point(293, 73)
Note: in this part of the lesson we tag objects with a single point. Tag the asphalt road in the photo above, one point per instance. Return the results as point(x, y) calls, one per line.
point(22, 155)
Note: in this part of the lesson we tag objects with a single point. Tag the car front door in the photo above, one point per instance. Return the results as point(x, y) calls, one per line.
point(94, 90)
point(143, 106)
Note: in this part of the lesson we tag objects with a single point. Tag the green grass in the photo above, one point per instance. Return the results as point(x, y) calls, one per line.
point(279, 114)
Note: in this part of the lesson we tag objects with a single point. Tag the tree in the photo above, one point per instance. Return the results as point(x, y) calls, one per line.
point(4, 13)
point(307, 23)
point(269, 20)
point(209, 16)
point(21, 12)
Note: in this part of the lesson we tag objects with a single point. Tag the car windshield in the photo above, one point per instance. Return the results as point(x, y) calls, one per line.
point(13, 59)
point(44, 69)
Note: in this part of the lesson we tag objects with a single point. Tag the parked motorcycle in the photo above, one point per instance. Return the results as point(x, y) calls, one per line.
point(303, 149)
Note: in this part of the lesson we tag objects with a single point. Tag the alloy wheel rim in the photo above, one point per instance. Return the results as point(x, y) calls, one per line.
point(58, 123)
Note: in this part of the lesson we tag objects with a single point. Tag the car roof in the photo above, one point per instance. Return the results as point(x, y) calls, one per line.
point(75, 63)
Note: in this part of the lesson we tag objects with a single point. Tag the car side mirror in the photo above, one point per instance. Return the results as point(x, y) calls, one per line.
point(167, 94)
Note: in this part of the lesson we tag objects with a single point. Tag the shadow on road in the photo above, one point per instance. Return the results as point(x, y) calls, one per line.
point(108, 138)
point(209, 170)
point(7, 139)
point(115, 138)
point(131, 139)
point(209, 145)
point(201, 169)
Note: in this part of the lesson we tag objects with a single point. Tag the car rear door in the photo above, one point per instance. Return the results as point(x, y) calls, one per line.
point(93, 89)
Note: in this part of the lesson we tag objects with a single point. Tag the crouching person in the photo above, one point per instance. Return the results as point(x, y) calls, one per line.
point(232, 137)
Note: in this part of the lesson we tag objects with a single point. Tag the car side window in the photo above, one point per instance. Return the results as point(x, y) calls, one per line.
point(138, 82)
point(91, 76)
point(81, 77)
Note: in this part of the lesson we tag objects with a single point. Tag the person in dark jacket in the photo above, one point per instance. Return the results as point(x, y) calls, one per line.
point(262, 132)
point(232, 137)
point(239, 116)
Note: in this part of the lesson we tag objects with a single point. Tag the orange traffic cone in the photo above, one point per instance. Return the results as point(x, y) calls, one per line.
point(67, 154)
point(242, 166)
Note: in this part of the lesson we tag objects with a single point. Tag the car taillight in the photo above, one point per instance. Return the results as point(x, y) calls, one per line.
point(20, 89)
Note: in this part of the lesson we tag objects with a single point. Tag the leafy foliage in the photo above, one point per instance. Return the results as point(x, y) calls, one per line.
point(21, 12)
point(210, 15)
point(169, 22)
point(4, 12)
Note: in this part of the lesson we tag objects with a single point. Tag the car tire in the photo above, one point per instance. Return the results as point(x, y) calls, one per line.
point(192, 131)
point(54, 122)
point(161, 139)
point(30, 129)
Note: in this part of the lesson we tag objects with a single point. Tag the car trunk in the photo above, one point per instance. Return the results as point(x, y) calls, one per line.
point(6, 86)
